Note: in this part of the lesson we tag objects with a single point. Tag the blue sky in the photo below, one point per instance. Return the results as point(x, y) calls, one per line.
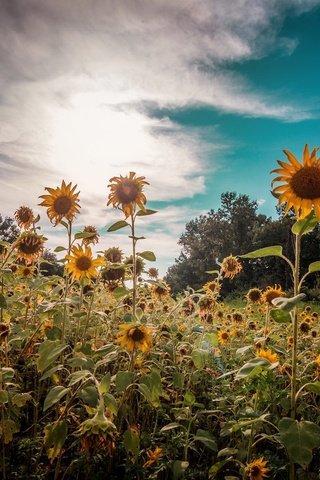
point(198, 97)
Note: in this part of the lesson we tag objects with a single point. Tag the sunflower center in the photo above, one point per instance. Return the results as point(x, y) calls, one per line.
point(83, 263)
point(137, 335)
point(255, 470)
point(62, 205)
point(30, 246)
point(128, 192)
point(25, 216)
point(306, 182)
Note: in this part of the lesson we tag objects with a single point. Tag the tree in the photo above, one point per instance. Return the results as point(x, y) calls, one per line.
point(9, 231)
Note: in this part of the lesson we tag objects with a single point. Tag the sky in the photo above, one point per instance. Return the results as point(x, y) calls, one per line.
point(198, 97)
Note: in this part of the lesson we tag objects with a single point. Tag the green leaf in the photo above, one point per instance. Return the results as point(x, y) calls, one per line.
point(207, 439)
point(78, 376)
point(118, 225)
point(20, 399)
point(178, 379)
point(214, 469)
point(54, 395)
point(275, 251)
point(7, 429)
point(199, 358)
point(147, 255)
point(280, 316)
point(299, 438)
point(49, 351)
point(54, 437)
point(313, 387)
point(170, 426)
point(306, 225)
point(253, 368)
point(89, 395)
point(179, 468)
point(154, 387)
point(104, 385)
point(111, 403)
point(143, 213)
point(189, 398)
point(80, 235)
point(4, 396)
point(123, 380)
point(120, 292)
point(212, 271)
point(3, 302)
point(59, 249)
point(287, 304)
point(314, 267)
point(131, 442)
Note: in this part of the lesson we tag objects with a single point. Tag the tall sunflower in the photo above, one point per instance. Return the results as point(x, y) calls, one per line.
point(231, 266)
point(24, 217)
point(81, 264)
point(268, 355)
point(301, 188)
point(257, 469)
point(62, 202)
point(126, 193)
point(135, 337)
point(94, 238)
point(29, 246)
point(271, 293)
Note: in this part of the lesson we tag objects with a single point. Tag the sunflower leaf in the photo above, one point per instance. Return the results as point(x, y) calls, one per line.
point(280, 316)
point(299, 438)
point(84, 235)
point(147, 255)
point(143, 213)
point(117, 226)
point(59, 249)
point(314, 267)
point(306, 225)
point(275, 251)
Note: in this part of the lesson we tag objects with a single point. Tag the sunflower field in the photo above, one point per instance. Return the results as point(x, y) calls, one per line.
point(105, 374)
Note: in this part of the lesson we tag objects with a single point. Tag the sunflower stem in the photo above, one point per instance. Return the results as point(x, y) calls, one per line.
point(134, 286)
point(66, 288)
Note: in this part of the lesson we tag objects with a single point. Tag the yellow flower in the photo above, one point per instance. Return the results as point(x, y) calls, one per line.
point(126, 192)
point(81, 263)
point(153, 456)
point(135, 337)
point(224, 337)
point(301, 190)
point(212, 287)
point(231, 266)
point(317, 360)
point(267, 354)
point(160, 291)
point(29, 246)
point(25, 271)
point(271, 293)
point(62, 202)
point(254, 295)
point(257, 469)
point(94, 237)
point(24, 217)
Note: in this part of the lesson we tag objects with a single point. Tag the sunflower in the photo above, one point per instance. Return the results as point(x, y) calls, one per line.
point(257, 469)
point(254, 295)
point(271, 293)
point(26, 271)
point(135, 337)
point(153, 456)
point(301, 190)
point(212, 288)
point(231, 266)
point(153, 273)
point(81, 263)
point(267, 354)
point(127, 192)
point(24, 217)
point(224, 337)
point(94, 238)
point(29, 246)
point(113, 255)
point(206, 304)
point(139, 265)
point(160, 291)
point(62, 202)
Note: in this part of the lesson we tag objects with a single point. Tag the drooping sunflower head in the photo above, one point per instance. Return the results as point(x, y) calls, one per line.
point(254, 295)
point(24, 217)
point(268, 355)
point(212, 288)
point(160, 291)
point(271, 293)
point(61, 202)
point(301, 187)
point(135, 337)
point(231, 266)
point(126, 193)
point(153, 273)
point(94, 237)
point(206, 304)
point(81, 264)
point(139, 265)
point(29, 246)
point(153, 456)
point(257, 469)
point(113, 255)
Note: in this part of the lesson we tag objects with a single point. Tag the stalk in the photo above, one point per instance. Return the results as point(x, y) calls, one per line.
point(134, 287)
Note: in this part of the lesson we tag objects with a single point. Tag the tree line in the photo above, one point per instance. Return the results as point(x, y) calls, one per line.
point(237, 228)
